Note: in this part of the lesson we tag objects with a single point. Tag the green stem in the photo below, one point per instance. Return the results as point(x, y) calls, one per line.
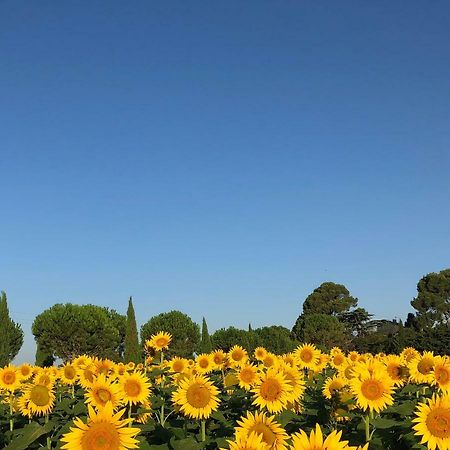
point(49, 441)
point(161, 416)
point(162, 357)
point(203, 430)
point(11, 420)
point(367, 426)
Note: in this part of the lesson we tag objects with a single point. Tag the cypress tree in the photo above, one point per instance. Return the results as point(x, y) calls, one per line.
point(132, 352)
point(11, 334)
point(205, 343)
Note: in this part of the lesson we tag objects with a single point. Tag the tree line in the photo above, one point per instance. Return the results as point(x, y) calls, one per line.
point(330, 317)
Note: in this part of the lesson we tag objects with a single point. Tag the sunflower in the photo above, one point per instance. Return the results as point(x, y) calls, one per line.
point(196, 397)
point(219, 358)
point(270, 360)
point(396, 369)
point(332, 386)
point(441, 373)
point(68, 374)
point(237, 356)
point(9, 378)
point(204, 363)
point(86, 375)
point(134, 388)
point(247, 376)
point(373, 390)
point(38, 399)
point(25, 372)
point(353, 356)
point(409, 354)
point(433, 422)
point(337, 357)
point(289, 359)
point(272, 433)
point(104, 366)
point(421, 368)
point(144, 416)
point(178, 365)
point(253, 441)
point(272, 391)
point(102, 391)
point(315, 441)
point(160, 341)
point(260, 353)
point(307, 356)
point(104, 430)
point(295, 379)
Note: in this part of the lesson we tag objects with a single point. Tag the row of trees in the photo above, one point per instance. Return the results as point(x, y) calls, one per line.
point(330, 317)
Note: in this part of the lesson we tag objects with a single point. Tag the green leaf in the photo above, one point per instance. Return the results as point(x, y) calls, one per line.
point(30, 433)
point(185, 444)
point(383, 423)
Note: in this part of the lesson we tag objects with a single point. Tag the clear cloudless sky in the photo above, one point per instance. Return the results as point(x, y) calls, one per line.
point(222, 158)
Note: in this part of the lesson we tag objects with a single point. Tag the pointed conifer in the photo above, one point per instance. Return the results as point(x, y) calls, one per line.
point(132, 352)
point(205, 343)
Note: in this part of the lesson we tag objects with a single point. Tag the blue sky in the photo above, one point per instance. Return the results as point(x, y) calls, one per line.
point(222, 158)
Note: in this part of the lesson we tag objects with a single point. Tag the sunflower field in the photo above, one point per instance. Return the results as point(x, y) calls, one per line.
point(305, 400)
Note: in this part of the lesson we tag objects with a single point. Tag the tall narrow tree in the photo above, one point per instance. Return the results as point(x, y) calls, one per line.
point(11, 334)
point(132, 352)
point(205, 343)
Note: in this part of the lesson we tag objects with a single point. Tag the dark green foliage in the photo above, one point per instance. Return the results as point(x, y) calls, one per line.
point(225, 338)
point(276, 339)
point(43, 358)
point(11, 334)
point(433, 299)
point(323, 330)
point(329, 298)
point(185, 333)
point(132, 349)
point(355, 321)
point(205, 343)
point(67, 330)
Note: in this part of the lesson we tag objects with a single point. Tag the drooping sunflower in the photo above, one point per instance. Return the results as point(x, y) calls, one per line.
point(307, 356)
point(272, 391)
point(160, 341)
point(9, 378)
point(197, 397)
point(433, 422)
point(247, 376)
point(253, 441)
point(204, 363)
point(372, 390)
point(103, 391)
point(237, 356)
point(332, 386)
point(272, 433)
point(316, 441)
point(38, 400)
point(441, 373)
point(421, 368)
point(134, 388)
point(68, 374)
point(104, 430)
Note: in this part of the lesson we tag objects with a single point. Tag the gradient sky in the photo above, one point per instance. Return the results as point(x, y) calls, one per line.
point(222, 158)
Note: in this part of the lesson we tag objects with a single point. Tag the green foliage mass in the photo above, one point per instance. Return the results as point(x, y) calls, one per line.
point(132, 348)
point(185, 333)
point(11, 334)
point(67, 330)
point(225, 338)
point(275, 338)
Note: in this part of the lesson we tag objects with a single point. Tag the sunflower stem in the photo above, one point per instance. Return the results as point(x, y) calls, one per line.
point(161, 416)
point(162, 357)
point(203, 422)
point(11, 419)
point(49, 441)
point(367, 426)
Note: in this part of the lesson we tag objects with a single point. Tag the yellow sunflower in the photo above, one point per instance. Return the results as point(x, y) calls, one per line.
point(409, 354)
point(25, 372)
point(441, 373)
point(104, 430)
point(9, 378)
point(178, 365)
point(86, 375)
point(68, 374)
point(270, 360)
point(372, 390)
point(102, 391)
point(332, 386)
point(396, 369)
point(421, 368)
point(260, 353)
point(204, 363)
point(272, 433)
point(197, 397)
point(433, 422)
point(38, 399)
point(272, 391)
point(337, 357)
point(315, 441)
point(247, 376)
point(307, 356)
point(219, 358)
point(295, 379)
point(237, 356)
point(134, 388)
point(160, 341)
point(253, 441)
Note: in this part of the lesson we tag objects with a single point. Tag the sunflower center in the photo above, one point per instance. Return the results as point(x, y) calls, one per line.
point(306, 356)
point(271, 390)
point(268, 436)
point(338, 360)
point(269, 361)
point(9, 377)
point(442, 375)
point(425, 366)
point(198, 396)
point(101, 436)
point(161, 342)
point(203, 363)
point(372, 389)
point(237, 355)
point(334, 386)
point(246, 375)
point(39, 395)
point(132, 388)
point(89, 375)
point(69, 372)
point(25, 371)
point(178, 366)
point(394, 371)
point(438, 422)
point(104, 395)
